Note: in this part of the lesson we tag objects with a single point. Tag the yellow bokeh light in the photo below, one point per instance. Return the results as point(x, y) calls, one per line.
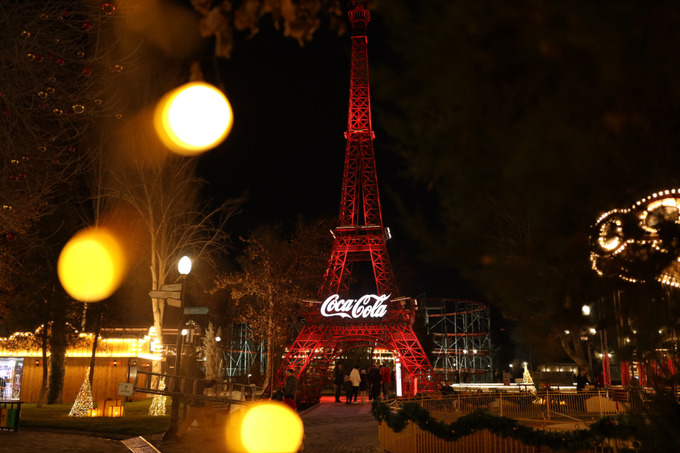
point(193, 118)
point(283, 433)
point(91, 265)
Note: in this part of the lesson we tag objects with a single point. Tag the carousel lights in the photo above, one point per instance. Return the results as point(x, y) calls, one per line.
point(666, 279)
point(608, 213)
point(662, 193)
point(623, 246)
point(610, 235)
point(669, 202)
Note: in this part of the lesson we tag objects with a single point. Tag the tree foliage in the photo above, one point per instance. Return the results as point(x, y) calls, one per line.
point(537, 118)
point(225, 19)
point(50, 96)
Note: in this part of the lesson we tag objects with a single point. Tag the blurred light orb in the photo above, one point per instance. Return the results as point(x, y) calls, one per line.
point(193, 118)
point(91, 265)
point(270, 427)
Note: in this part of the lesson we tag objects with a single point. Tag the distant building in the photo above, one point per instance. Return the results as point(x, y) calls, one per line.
point(118, 351)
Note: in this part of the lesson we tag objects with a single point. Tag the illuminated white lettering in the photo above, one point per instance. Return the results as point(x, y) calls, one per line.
point(367, 306)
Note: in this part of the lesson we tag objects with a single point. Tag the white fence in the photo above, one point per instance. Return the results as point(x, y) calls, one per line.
point(548, 410)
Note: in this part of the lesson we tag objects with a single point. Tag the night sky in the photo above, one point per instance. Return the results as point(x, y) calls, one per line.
point(290, 111)
point(286, 149)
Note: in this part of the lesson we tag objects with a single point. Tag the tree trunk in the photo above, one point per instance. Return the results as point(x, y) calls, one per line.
point(58, 353)
point(571, 343)
point(95, 341)
point(269, 372)
point(45, 364)
point(158, 306)
point(57, 366)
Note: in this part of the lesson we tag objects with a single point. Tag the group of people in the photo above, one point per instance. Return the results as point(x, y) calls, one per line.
point(583, 381)
point(360, 383)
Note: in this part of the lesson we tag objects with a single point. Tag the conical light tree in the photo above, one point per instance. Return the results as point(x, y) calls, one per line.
point(158, 403)
point(526, 377)
point(83, 403)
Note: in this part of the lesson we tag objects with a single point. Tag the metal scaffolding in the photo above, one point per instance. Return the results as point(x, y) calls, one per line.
point(243, 353)
point(461, 333)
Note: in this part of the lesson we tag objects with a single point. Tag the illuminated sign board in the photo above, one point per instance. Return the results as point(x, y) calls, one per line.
point(367, 306)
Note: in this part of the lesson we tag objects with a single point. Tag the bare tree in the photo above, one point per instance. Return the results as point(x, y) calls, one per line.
point(276, 275)
point(170, 220)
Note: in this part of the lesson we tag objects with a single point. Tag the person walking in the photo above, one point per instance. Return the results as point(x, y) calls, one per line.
point(582, 380)
point(355, 377)
point(290, 389)
point(347, 384)
point(386, 375)
point(374, 380)
point(363, 386)
point(338, 380)
point(446, 389)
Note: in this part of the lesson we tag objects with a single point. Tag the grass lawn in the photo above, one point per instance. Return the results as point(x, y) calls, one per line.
point(135, 422)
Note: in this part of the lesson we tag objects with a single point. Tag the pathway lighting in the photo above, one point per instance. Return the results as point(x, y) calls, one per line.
point(184, 267)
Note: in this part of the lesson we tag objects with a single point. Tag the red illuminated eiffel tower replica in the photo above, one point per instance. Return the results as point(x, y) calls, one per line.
point(345, 321)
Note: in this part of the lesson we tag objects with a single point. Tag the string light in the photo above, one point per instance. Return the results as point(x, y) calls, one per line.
point(83, 405)
point(157, 407)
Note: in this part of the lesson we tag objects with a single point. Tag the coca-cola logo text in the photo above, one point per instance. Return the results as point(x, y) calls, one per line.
point(368, 306)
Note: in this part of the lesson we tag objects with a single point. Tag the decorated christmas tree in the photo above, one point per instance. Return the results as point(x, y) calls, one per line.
point(83, 403)
point(158, 403)
point(212, 351)
point(526, 377)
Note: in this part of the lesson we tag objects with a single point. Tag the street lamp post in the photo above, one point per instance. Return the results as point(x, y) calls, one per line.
point(184, 267)
point(474, 366)
point(604, 348)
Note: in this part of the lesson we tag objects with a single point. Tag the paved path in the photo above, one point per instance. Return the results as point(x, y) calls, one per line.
point(329, 428)
point(25, 441)
point(340, 428)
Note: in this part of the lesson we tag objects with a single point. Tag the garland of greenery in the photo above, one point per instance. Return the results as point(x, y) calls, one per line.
point(580, 439)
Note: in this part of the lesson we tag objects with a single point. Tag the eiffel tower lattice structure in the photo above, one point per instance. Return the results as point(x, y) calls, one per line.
point(340, 321)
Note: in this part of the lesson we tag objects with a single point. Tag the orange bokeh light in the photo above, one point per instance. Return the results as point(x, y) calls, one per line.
point(91, 265)
point(193, 118)
point(283, 434)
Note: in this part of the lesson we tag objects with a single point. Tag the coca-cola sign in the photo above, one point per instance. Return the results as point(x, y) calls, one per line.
point(368, 306)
